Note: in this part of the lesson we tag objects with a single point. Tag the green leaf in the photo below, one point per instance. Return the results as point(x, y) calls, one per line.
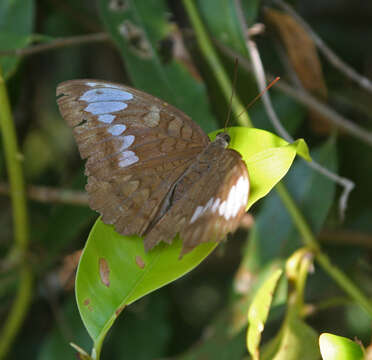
point(298, 341)
point(244, 285)
point(16, 22)
point(259, 311)
point(218, 342)
point(290, 112)
point(114, 270)
point(139, 31)
point(333, 347)
point(222, 21)
point(267, 156)
point(274, 234)
point(137, 327)
point(130, 274)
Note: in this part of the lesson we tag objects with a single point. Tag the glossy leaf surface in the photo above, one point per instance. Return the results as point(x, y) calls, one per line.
point(259, 311)
point(334, 347)
point(298, 340)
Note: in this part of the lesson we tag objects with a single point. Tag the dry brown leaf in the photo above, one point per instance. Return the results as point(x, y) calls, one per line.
point(304, 58)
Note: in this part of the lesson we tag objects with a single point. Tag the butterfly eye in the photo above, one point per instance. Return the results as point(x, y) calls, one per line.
point(225, 137)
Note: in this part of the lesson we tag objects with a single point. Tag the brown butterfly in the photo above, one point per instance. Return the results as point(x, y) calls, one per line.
point(151, 170)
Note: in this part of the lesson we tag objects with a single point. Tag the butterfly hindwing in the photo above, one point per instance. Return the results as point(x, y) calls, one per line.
point(213, 200)
point(136, 146)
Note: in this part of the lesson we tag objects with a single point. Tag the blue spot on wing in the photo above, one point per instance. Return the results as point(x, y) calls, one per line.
point(105, 94)
point(105, 107)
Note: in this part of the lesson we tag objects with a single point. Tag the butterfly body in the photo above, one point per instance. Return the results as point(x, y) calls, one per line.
point(151, 170)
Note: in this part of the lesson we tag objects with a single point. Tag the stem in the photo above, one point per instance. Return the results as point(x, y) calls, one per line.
point(304, 97)
point(344, 282)
point(20, 223)
point(208, 51)
point(308, 238)
point(49, 194)
point(58, 43)
point(303, 271)
point(259, 74)
point(210, 55)
point(17, 312)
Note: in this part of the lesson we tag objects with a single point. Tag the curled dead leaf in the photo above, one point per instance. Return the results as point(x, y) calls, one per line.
point(304, 58)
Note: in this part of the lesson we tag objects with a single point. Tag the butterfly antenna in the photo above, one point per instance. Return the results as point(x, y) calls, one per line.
point(260, 94)
point(232, 94)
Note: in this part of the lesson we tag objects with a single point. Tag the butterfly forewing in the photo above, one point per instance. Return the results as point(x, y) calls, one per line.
point(137, 147)
point(151, 170)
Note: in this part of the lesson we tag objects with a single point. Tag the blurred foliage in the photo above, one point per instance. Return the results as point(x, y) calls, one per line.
point(194, 317)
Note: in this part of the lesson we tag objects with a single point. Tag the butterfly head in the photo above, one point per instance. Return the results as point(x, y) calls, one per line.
point(223, 139)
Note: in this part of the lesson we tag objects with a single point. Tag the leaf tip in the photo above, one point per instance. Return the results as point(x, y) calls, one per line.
point(302, 149)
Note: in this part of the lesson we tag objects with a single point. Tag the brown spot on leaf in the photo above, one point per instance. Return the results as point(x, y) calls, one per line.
point(140, 263)
point(104, 272)
point(86, 302)
point(119, 310)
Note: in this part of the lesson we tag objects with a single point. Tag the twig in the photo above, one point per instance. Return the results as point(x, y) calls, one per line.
point(299, 220)
point(261, 81)
point(47, 194)
point(22, 301)
point(312, 309)
point(58, 43)
point(305, 98)
point(346, 237)
point(334, 59)
point(333, 116)
point(308, 238)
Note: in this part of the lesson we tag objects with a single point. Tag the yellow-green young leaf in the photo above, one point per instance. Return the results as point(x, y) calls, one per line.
point(298, 341)
point(267, 156)
point(333, 347)
point(114, 270)
point(258, 312)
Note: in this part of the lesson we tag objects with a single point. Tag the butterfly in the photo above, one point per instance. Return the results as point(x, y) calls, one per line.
point(151, 170)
